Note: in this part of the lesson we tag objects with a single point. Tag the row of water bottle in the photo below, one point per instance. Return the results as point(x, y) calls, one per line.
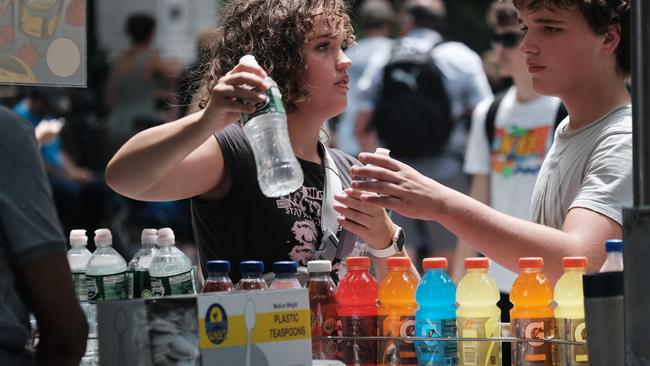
point(157, 269)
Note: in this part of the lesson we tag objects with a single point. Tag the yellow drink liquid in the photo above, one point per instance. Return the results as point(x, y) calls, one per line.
point(570, 314)
point(477, 315)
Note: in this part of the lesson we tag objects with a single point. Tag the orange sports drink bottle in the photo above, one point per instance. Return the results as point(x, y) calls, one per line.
point(397, 313)
point(356, 313)
point(532, 314)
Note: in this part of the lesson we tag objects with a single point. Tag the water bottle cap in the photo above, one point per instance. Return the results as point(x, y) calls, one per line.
point(103, 237)
point(477, 262)
point(531, 262)
point(435, 263)
point(215, 266)
point(382, 151)
point(285, 267)
point(78, 237)
point(166, 237)
point(398, 262)
point(251, 267)
point(319, 266)
point(362, 263)
point(574, 262)
point(614, 245)
point(248, 59)
point(149, 236)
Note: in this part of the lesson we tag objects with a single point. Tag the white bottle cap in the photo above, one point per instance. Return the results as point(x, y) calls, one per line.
point(319, 266)
point(165, 237)
point(78, 238)
point(382, 151)
point(103, 237)
point(149, 236)
point(248, 59)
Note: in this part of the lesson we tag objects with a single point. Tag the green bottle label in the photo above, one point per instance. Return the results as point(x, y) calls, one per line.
point(273, 104)
point(107, 288)
point(181, 284)
point(79, 283)
point(141, 285)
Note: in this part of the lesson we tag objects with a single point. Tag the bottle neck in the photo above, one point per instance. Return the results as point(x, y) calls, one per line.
point(476, 270)
point(580, 270)
point(251, 275)
point(319, 276)
point(530, 270)
point(398, 269)
point(218, 276)
point(149, 246)
point(285, 275)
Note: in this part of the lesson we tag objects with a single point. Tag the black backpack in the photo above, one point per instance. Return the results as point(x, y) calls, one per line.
point(413, 113)
point(492, 114)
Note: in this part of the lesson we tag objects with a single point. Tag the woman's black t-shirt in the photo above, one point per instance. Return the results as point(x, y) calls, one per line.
point(246, 225)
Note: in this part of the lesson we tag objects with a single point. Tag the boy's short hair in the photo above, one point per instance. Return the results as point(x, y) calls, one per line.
point(599, 15)
point(502, 14)
point(275, 32)
point(140, 27)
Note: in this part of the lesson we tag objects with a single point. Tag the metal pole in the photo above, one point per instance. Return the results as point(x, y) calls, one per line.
point(636, 220)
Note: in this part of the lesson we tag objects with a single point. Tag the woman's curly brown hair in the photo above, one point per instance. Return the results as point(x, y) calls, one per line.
point(275, 32)
point(599, 15)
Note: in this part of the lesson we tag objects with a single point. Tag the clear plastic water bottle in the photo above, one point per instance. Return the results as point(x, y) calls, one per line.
point(139, 283)
point(251, 276)
point(278, 171)
point(171, 270)
point(106, 270)
point(614, 259)
point(78, 257)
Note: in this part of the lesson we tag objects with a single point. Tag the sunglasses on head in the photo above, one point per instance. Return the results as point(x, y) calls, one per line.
point(508, 39)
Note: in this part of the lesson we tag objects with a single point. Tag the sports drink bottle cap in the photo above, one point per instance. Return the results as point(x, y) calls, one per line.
point(357, 263)
point(78, 238)
point(476, 262)
point(215, 266)
point(319, 266)
point(614, 245)
point(103, 237)
point(531, 262)
point(149, 236)
point(434, 263)
point(251, 267)
point(285, 267)
point(574, 262)
point(166, 237)
point(398, 262)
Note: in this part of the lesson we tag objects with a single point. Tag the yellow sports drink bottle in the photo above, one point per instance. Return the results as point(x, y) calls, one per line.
point(570, 314)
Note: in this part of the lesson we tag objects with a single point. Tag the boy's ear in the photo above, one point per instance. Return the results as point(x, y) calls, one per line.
point(612, 38)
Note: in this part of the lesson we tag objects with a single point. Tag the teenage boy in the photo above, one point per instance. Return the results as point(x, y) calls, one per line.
point(579, 51)
point(509, 137)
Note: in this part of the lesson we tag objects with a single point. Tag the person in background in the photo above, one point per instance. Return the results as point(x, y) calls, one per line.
point(131, 88)
point(34, 272)
point(464, 84)
point(375, 17)
point(206, 157)
point(578, 51)
point(190, 79)
point(508, 141)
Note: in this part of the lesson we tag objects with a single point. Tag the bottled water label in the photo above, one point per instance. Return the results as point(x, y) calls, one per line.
point(129, 284)
point(141, 284)
point(273, 104)
point(79, 283)
point(107, 287)
point(181, 284)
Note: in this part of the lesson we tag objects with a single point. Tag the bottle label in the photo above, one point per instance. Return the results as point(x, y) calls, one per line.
point(533, 352)
point(79, 283)
point(479, 353)
point(107, 288)
point(358, 352)
point(397, 352)
point(568, 354)
point(181, 284)
point(141, 283)
point(273, 104)
point(322, 318)
point(436, 352)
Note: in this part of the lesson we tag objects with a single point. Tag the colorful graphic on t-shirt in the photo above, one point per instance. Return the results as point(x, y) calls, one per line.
point(305, 205)
point(519, 150)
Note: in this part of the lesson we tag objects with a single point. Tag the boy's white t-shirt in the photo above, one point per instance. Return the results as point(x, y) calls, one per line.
point(522, 138)
point(590, 167)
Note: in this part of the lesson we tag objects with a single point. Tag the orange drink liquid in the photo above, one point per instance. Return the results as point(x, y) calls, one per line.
point(532, 314)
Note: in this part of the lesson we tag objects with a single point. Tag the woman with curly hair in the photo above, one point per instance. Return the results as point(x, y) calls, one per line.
point(206, 157)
